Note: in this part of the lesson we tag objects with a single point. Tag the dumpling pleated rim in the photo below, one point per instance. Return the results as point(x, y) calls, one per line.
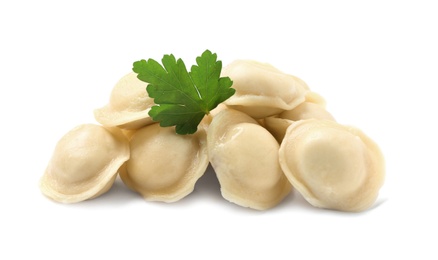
point(185, 186)
point(103, 180)
point(365, 195)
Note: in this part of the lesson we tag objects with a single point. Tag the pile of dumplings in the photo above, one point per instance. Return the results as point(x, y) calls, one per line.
point(273, 135)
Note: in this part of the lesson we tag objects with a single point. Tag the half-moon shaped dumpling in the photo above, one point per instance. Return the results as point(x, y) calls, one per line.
point(128, 106)
point(165, 166)
point(262, 90)
point(333, 166)
point(84, 164)
point(244, 156)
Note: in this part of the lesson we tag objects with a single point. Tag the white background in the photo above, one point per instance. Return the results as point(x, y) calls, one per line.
point(375, 62)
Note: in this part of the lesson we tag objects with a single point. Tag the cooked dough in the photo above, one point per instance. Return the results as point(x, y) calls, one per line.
point(84, 164)
point(277, 125)
point(262, 90)
point(128, 106)
point(333, 166)
point(165, 166)
point(244, 156)
point(307, 110)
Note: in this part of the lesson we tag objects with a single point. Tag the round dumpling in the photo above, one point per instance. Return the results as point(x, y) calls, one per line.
point(129, 105)
point(84, 164)
point(331, 165)
point(244, 156)
point(165, 166)
point(262, 90)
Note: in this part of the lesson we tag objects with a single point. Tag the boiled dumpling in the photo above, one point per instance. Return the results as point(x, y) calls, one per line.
point(333, 166)
point(165, 166)
point(244, 156)
point(128, 106)
point(84, 164)
point(262, 90)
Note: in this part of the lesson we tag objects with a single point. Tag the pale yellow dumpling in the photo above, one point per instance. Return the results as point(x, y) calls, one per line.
point(128, 106)
point(165, 166)
point(244, 156)
point(333, 166)
point(262, 90)
point(84, 163)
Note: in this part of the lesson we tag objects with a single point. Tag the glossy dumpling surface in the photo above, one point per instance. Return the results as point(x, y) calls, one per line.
point(84, 163)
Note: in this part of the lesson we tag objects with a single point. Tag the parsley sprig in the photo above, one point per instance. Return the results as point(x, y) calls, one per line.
point(183, 98)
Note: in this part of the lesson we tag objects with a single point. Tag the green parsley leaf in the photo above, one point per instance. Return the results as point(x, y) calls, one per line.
point(182, 99)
